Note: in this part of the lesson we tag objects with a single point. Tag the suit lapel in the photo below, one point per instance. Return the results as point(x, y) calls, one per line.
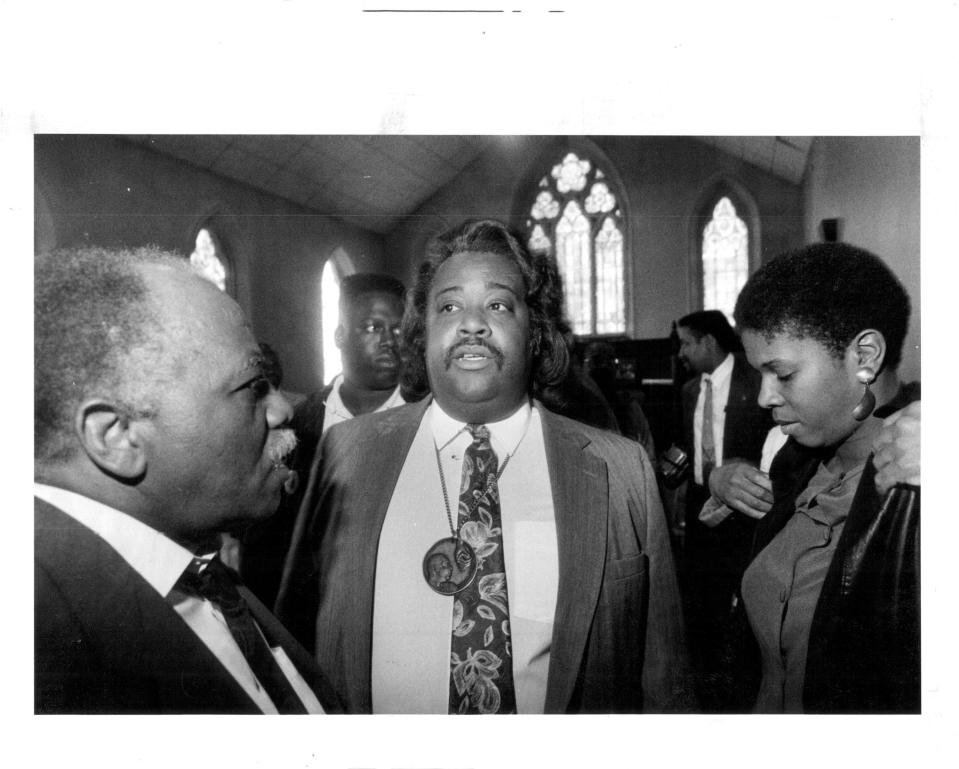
point(147, 639)
point(580, 488)
point(387, 446)
point(690, 396)
point(277, 635)
point(741, 400)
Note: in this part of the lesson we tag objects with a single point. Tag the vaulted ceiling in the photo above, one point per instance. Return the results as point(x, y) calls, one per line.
point(377, 180)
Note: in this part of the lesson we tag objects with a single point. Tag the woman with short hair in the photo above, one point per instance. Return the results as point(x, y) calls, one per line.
point(832, 591)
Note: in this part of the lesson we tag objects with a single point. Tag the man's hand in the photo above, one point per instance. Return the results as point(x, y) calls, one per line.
point(897, 449)
point(743, 487)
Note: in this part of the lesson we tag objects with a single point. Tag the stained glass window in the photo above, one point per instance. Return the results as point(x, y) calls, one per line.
point(205, 259)
point(576, 217)
point(609, 278)
point(725, 258)
point(573, 257)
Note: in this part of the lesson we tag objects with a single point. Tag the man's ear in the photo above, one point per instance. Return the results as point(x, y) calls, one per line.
point(109, 437)
point(869, 349)
point(712, 345)
point(339, 336)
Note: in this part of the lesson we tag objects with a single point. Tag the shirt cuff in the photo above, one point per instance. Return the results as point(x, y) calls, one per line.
point(714, 512)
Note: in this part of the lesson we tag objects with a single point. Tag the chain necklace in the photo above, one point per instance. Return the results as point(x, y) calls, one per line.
point(491, 479)
point(449, 566)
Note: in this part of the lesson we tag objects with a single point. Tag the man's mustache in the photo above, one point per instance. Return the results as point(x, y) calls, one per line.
point(473, 342)
point(282, 444)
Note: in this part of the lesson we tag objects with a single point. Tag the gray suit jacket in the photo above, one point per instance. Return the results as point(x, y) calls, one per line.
point(617, 633)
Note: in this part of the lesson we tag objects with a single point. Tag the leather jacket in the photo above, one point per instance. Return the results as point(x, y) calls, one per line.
point(864, 640)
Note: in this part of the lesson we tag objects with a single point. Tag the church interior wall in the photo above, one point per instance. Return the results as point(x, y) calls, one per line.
point(871, 183)
point(663, 178)
point(105, 190)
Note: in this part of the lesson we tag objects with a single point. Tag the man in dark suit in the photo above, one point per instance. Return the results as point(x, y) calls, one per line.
point(371, 308)
point(563, 597)
point(723, 428)
point(155, 430)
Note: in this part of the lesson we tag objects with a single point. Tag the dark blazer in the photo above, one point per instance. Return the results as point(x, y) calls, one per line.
point(864, 651)
point(107, 642)
point(746, 422)
point(747, 425)
point(617, 635)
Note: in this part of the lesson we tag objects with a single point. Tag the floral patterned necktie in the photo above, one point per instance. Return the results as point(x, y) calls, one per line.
point(481, 661)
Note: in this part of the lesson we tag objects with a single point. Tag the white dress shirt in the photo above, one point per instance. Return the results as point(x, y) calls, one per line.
point(161, 561)
point(412, 624)
point(337, 412)
point(721, 378)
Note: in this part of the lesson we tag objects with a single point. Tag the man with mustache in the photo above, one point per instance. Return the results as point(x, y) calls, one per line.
point(371, 308)
point(155, 430)
point(569, 602)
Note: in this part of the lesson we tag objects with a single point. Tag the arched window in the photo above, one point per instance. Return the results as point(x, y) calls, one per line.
point(725, 257)
point(206, 258)
point(336, 267)
point(577, 218)
point(329, 301)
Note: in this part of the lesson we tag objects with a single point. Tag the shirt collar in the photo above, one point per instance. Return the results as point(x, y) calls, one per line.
point(722, 372)
point(335, 403)
point(157, 558)
point(505, 435)
point(857, 447)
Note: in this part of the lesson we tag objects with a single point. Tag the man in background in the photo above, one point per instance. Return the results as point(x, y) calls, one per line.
point(600, 363)
point(155, 430)
point(722, 425)
point(371, 308)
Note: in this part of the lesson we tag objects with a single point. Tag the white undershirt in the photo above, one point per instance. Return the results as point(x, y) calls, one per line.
point(721, 377)
point(161, 561)
point(337, 412)
point(411, 623)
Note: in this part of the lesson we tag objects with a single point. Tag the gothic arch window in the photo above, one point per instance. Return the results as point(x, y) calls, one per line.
point(336, 267)
point(724, 244)
point(725, 257)
point(209, 258)
point(577, 217)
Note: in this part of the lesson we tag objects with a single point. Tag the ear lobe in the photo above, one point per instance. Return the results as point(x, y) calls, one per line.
point(870, 349)
point(109, 439)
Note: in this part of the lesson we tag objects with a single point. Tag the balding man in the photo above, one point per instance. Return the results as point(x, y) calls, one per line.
point(156, 429)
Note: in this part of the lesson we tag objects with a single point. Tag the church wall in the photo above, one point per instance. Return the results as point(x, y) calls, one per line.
point(104, 190)
point(663, 177)
point(871, 183)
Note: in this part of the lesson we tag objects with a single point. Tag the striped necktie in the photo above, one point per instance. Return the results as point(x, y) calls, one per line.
point(709, 442)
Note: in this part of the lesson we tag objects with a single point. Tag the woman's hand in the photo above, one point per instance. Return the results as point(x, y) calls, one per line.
point(741, 486)
point(897, 449)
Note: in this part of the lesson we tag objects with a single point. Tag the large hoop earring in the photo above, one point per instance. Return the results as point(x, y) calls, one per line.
point(868, 400)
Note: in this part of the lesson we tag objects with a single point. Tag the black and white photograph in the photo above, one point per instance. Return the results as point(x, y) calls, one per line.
point(439, 381)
